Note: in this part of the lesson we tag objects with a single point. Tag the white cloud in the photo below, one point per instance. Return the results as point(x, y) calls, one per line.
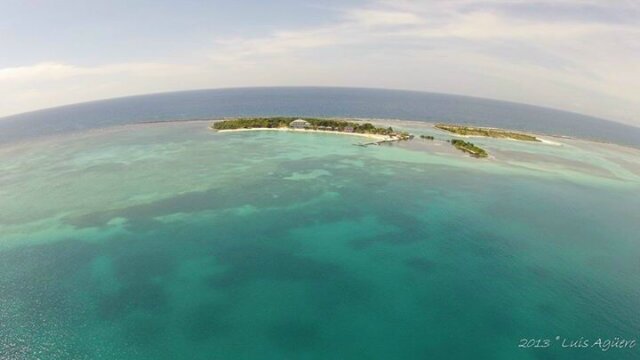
point(47, 71)
point(492, 26)
point(468, 47)
point(370, 17)
point(42, 71)
point(48, 84)
point(579, 60)
point(283, 42)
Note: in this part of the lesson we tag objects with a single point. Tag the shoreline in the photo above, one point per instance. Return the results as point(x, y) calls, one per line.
point(419, 123)
point(540, 139)
point(370, 136)
point(539, 136)
point(544, 137)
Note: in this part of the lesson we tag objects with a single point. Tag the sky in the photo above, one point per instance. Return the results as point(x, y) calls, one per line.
point(575, 55)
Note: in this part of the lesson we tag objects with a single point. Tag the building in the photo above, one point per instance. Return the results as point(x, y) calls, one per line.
point(348, 129)
point(299, 124)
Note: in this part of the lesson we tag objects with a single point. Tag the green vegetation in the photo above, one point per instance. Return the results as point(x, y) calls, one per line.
point(250, 123)
point(314, 124)
point(403, 135)
point(469, 148)
point(495, 133)
point(426, 137)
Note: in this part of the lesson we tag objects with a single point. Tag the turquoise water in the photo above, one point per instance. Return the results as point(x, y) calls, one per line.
point(168, 241)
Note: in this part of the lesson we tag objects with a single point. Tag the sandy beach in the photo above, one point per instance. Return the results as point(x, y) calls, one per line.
point(540, 139)
point(370, 136)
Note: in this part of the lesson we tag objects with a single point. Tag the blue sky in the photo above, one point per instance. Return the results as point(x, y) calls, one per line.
point(577, 55)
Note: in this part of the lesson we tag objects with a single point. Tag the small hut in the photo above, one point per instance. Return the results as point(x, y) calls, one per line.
point(299, 124)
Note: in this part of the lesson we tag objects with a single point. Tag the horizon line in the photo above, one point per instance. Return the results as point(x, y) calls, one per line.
point(6, 117)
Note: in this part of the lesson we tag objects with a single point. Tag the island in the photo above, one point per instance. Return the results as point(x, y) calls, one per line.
point(312, 125)
point(469, 148)
point(487, 132)
point(380, 134)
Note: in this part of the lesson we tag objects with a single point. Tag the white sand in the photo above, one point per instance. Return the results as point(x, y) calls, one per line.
point(541, 140)
point(371, 136)
point(546, 141)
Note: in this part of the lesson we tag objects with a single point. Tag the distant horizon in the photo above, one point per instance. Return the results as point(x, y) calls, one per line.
point(313, 87)
point(572, 55)
point(318, 101)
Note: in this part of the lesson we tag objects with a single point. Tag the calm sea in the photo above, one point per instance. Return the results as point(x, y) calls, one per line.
point(169, 241)
point(315, 101)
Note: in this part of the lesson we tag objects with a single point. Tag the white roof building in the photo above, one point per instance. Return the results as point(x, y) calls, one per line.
point(299, 124)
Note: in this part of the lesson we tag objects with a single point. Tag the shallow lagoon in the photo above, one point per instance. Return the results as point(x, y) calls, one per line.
point(169, 241)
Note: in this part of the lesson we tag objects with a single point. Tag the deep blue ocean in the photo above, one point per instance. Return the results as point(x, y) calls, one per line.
point(315, 101)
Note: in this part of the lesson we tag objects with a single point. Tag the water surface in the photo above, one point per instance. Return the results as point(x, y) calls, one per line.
point(169, 241)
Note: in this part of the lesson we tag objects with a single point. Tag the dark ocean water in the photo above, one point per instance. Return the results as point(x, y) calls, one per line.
point(312, 101)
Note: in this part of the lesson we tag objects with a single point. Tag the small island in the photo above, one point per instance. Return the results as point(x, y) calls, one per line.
point(311, 125)
point(487, 132)
point(380, 134)
point(469, 148)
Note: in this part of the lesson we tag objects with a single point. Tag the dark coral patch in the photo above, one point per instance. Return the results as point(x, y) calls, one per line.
point(207, 321)
point(295, 335)
point(146, 297)
point(421, 264)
